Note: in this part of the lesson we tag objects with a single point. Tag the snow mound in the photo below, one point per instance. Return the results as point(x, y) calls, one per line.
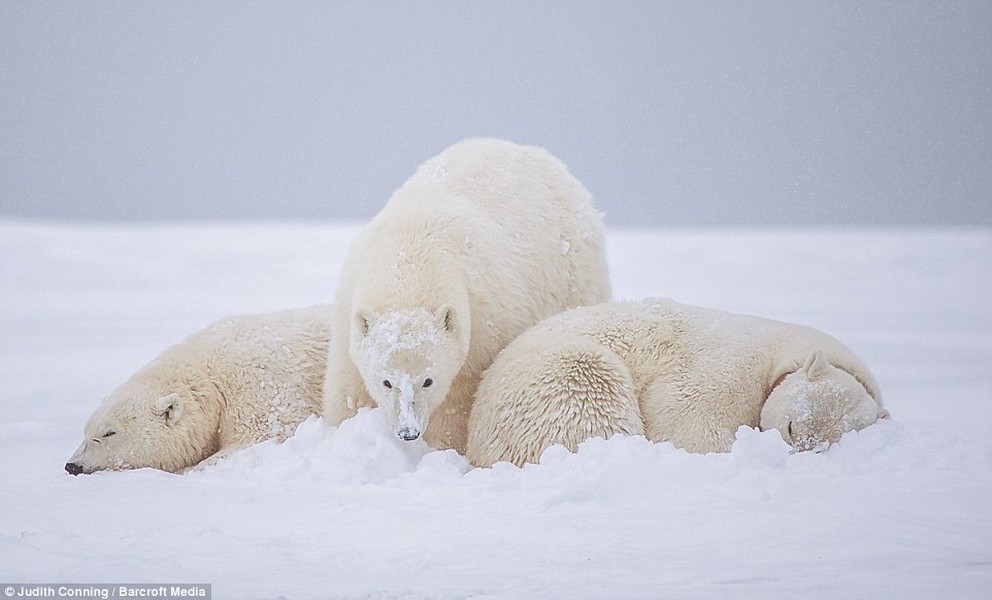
point(362, 450)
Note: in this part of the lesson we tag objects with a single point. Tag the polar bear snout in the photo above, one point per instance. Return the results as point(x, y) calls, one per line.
point(76, 465)
point(407, 434)
point(808, 436)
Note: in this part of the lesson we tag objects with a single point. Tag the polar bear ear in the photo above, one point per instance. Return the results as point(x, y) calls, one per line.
point(170, 407)
point(816, 365)
point(444, 316)
point(363, 321)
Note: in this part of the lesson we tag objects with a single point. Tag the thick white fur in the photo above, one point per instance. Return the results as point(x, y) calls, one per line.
point(483, 241)
point(239, 381)
point(687, 375)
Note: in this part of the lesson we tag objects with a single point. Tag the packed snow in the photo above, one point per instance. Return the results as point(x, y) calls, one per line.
point(900, 509)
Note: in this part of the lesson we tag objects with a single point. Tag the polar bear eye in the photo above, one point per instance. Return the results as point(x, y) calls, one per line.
point(109, 433)
point(428, 382)
point(386, 383)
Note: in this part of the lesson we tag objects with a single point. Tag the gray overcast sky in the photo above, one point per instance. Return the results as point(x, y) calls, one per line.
point(672, 113)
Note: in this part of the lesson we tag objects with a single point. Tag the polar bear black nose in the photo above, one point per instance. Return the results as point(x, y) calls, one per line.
point(73, 468)
point(405, 434)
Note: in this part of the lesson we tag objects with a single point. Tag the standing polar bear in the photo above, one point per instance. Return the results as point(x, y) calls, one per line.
point(239, 381)
point(483, 241)
point(670, 372)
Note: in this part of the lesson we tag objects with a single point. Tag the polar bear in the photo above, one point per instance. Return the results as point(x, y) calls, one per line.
point(239, 381)
point(484, 240)
point(671, 372)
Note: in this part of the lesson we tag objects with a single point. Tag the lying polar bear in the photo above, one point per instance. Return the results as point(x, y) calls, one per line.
point(239, 381)
point(670, 372)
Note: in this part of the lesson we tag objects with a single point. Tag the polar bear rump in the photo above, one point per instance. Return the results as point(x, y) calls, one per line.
point(550, 391)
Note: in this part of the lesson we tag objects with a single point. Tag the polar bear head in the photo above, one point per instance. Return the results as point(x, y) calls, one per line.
point(138, 426)
point(408, 359)
point(817, 404)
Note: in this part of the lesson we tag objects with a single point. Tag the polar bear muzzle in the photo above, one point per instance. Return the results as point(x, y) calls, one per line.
point(407, 434)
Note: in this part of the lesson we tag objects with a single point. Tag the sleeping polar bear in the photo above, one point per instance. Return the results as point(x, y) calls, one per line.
point(239, 381)
point(670, 372)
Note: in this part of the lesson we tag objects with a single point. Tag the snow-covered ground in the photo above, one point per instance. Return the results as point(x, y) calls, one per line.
point(899, 510)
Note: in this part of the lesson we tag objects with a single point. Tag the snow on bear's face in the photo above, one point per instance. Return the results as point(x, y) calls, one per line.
point(136, 428)
point(817, 404)
point(408, 360)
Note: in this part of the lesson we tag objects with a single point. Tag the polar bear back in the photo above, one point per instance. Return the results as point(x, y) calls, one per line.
point(657, 335)
point(506, 221)
point(266, 369)
point(282, 359)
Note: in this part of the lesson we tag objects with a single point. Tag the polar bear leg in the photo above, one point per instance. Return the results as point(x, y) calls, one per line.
point(344, 392)
point(690, 417)
point(550, 391)
point(215, 458)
